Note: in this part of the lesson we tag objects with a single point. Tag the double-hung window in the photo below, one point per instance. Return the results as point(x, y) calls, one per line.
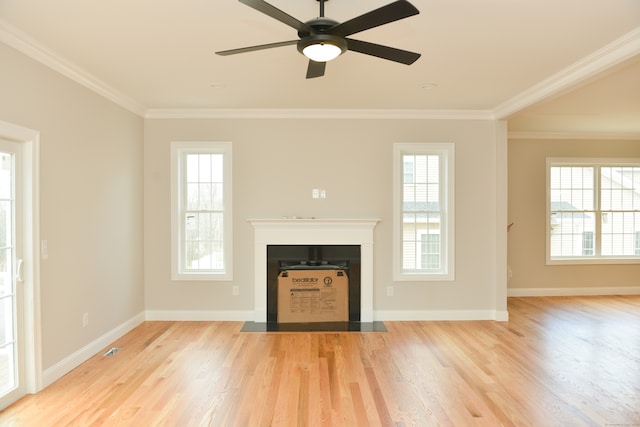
point(423, 211)
point(593, 211)
point(201, 241)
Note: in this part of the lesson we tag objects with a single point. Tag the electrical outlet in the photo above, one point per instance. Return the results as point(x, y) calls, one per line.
point(85, 320)
point(389, 291)
point(235, 290)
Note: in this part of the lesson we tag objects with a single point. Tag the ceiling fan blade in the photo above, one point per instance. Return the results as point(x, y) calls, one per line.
point(278, 15)
point(315, 69)
point(254, 48)
point(399, 9)
point(384, 52)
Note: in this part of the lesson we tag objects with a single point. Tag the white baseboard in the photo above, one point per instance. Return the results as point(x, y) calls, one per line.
point(409, 315)
point(567, 292)
point(63, 367)
point(195, 315)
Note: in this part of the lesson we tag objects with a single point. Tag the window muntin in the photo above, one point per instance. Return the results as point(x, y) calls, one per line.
point(201, 214)
point(423, 225)
point(593, 210)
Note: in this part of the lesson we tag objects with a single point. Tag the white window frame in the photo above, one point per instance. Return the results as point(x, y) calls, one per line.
point(179, 150)
point(446, 151)
point(596, 163)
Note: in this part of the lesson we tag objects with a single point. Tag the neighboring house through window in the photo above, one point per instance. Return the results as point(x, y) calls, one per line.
point(593, 210)
point(423, 211)
point(201, 211)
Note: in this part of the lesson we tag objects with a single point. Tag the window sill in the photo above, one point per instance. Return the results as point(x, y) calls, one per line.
point(201, 277)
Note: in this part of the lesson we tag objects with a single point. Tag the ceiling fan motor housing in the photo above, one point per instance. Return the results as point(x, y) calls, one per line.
point(320, 36)
point(322, 39)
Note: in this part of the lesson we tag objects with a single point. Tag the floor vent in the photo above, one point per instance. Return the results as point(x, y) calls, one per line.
point(111, 351)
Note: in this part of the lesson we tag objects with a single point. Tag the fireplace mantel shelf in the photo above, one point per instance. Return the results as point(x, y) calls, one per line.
point(306, 222)
point(307, 231)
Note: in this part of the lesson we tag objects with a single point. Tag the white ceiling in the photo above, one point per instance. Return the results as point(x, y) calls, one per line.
point(519, 59)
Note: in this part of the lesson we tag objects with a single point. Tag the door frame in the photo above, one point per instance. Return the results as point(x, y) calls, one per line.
point(30, 141)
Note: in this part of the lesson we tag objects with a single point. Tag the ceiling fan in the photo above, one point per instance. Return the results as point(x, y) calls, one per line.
point(323, 39)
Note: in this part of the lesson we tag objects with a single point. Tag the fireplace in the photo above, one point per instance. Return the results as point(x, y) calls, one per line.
point(345, 258)
point(322, 234)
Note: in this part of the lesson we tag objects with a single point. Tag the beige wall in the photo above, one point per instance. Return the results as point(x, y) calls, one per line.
point(276, 164)
point(527, 204)
point(104, 203)
point(90, 202)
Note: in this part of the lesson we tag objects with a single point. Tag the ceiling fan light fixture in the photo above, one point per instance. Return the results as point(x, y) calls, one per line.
point(322, 47)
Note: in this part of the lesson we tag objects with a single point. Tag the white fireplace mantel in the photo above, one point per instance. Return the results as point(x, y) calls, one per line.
point(314, 232)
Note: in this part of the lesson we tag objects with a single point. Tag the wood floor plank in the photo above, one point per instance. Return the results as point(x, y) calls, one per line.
point(562, 361)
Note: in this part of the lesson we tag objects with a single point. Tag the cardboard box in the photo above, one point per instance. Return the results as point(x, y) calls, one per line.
point(313, 296)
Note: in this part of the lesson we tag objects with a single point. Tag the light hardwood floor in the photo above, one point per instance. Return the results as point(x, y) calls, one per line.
point(564, 361)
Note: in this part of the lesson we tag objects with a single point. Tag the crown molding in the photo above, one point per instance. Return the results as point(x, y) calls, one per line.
point(16, 39)
point(610, 136)
point(302, 113)
point(610, 55)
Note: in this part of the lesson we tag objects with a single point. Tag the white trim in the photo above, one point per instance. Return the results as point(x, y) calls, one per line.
point(30, 140)
point(617, 136)
point(580, 291)
point(18, 40)
point(75, 359)
point(597, 62)
point(447, 233)
point(311, 113)
point(435, 315)
point(178, 150)
point(200, 315)
point(596, 163)
point(501, 267)
point(314, 232)
point(612, 54)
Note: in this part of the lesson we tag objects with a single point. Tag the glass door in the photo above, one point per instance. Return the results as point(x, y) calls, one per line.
point(11, 366)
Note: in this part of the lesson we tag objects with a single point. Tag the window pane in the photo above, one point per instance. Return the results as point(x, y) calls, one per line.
point(567, 233)
point(620, 188)
point(430, 251)
point(204, 240)
point(192, 167)
point(619, 233)
point(421, 217)
point(571, 188)
point(6, 221)
point(6, 320)
point(204, 167)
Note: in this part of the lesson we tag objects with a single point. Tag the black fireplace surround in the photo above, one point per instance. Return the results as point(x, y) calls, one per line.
point(281, 257)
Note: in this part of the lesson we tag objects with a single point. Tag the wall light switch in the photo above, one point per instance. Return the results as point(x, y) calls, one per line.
point(315, 193)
